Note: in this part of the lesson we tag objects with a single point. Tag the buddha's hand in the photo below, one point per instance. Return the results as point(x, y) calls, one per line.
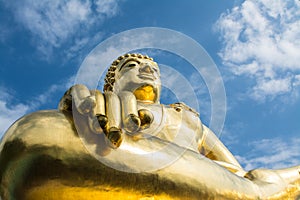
point(116, 114)
point(133, 120)
point(110, 113)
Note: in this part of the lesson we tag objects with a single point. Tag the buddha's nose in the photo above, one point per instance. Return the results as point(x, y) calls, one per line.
point(146, 68)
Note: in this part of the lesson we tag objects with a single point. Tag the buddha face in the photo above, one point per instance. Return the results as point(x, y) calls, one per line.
point(140, 76)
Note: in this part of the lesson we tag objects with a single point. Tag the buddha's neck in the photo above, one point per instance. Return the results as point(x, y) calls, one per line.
point(145, 94)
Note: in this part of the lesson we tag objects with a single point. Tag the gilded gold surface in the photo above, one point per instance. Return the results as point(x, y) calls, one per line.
point(292, 192)
point(43, 150)
point(145, 93)
point(54, 190)
point(60, 154)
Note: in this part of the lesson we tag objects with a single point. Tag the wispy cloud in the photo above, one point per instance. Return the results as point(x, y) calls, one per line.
point(180, 85)
point(203, 96)
point(272, 153)
point(10, 111)
point(229, 134)
point(262, 41)
point(52, 90)
point(54, 23)
point(4, 33)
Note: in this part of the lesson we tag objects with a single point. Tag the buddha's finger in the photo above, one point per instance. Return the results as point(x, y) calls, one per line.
point(113, 129)
point(130, 117)
point(82, 99)
point(98, 119)
point(146, 118)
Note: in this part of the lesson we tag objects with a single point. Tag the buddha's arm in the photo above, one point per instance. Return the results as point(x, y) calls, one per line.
point(213, 148)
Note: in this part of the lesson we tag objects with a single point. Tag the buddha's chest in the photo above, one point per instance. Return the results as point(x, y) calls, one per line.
point(177, 126)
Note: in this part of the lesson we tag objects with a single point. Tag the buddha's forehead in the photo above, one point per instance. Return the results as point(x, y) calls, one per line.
point(137, 60)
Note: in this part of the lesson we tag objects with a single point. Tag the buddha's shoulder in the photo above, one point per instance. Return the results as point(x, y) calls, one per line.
point(183, 114)
point(180, 106)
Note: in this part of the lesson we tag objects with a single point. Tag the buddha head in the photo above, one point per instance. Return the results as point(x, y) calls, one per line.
point(136, 73)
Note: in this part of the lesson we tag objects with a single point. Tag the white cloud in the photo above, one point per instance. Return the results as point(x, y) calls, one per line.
point(180, 85)
point(272, 153)
point(229, 136)
point(107, 7)
point(81, 45)
point(262, 41)
point(203, 96)
point(297, 80)
point(4, 33)
point(272, 87)
point(44, 98)
point(9, 114)
point(54, 23)
point(10, 111)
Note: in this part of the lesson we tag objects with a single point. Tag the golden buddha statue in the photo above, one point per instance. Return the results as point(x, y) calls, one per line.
point(124, 144)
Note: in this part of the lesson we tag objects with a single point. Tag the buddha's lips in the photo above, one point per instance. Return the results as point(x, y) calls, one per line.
point(146, 76)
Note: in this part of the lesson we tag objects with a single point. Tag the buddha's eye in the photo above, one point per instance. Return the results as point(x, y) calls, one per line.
point(131, 65)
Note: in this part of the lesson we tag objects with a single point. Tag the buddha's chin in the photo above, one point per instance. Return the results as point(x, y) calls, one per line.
point(146, 93)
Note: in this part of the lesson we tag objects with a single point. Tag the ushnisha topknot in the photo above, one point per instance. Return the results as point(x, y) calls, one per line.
point(110, 75)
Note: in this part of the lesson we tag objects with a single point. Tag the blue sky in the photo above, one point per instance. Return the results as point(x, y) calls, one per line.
point(255, 45)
